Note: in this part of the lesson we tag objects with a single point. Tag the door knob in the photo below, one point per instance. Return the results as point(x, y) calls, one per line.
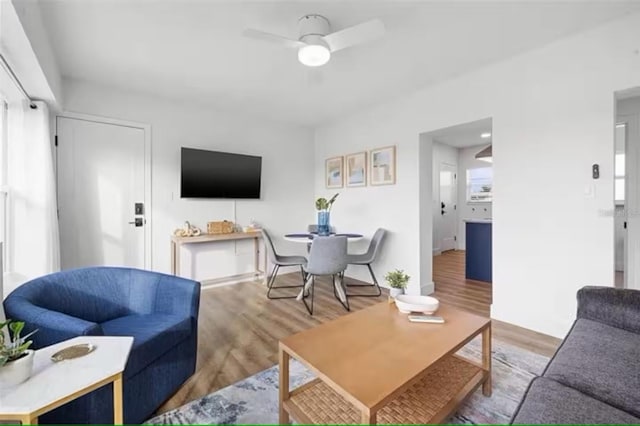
point(138, 221)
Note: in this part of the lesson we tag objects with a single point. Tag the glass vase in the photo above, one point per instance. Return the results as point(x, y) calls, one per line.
point(324, 228)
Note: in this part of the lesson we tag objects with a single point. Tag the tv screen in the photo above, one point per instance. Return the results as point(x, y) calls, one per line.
point(212, 174)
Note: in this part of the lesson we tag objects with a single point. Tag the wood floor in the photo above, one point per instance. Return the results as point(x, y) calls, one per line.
point(239, 327)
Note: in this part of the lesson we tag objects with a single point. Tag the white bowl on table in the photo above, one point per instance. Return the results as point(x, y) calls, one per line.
point(407, 303)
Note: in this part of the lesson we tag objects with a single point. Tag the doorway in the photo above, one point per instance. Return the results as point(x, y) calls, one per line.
point(626, 185)
point(104, 194)
point(461, 174)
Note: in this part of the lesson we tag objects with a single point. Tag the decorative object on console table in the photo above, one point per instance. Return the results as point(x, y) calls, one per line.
point(220, 227)
point(398, 281)
point(356, 169)
point(333, 172)
point(383, 166)
point(188, 230)
point(324, 214)
point(16, 359)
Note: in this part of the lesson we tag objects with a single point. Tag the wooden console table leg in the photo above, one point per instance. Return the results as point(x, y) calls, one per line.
point(117, 401)
point(486, 359)
point(283, 385)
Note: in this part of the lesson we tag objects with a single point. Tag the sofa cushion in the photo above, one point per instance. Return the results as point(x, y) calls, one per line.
point(548, 401)
point(153, 336)
point(600, 361)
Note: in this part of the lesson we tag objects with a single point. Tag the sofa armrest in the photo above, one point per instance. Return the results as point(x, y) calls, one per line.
point(612, 306)
point(53, 327)
point(177, 296)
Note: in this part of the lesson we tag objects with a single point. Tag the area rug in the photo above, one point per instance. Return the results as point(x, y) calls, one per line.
point(255, 399)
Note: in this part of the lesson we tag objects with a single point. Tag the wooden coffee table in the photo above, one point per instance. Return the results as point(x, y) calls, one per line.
point(374, 366)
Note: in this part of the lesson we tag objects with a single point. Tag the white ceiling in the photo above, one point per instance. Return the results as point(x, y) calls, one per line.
point(194, 49)
point(464, 135)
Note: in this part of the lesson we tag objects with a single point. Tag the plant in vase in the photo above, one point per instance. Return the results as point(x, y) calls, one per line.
point(324, 212)
point(16, 359)
point(398, 281)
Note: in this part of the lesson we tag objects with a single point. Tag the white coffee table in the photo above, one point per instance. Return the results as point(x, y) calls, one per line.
point(53, 384)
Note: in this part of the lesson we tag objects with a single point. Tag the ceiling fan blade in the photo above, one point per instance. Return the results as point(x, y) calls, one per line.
point(357, 34)
point(272, 38)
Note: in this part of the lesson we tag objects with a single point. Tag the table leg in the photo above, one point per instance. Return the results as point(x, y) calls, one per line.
point(264, 266)
point(256, 258)
point(486, 359)
point(284, 385)
point(117, 400)
point(368, 418)
point(29, 420)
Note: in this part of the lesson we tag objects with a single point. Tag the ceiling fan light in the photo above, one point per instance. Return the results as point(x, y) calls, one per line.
point(314, 55)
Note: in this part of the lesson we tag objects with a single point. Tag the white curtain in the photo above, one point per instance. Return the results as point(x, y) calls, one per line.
point(33, 238)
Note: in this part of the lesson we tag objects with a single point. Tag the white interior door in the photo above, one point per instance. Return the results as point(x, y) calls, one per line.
point(448, 196)
point(632, 202)
point(102, 174)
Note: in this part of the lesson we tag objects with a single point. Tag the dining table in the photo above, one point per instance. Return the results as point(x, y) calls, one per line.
point(307, 237)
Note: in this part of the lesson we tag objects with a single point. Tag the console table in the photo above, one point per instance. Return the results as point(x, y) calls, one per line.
point(256, 236)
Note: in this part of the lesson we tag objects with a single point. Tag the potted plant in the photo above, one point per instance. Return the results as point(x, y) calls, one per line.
point(16, 359)
point(324, 208)
point(398, 281)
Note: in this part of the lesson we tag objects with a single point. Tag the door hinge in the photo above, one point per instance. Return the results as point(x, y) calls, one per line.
point(455, 238)
point(454, 206)
point(56, 140)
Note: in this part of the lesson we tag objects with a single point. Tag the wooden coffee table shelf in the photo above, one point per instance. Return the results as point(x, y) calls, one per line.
point(427, 388)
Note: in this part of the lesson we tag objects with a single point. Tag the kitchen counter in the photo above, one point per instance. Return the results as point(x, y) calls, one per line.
point(487, 220)
point(478, 255)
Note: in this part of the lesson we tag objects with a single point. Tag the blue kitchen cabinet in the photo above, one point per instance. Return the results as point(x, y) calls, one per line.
point(478, 251)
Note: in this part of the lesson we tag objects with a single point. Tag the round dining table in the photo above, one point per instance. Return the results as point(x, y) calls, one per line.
point(307, 237)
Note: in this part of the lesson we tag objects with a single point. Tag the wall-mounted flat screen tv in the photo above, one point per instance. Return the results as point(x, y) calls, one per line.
point(213, 174)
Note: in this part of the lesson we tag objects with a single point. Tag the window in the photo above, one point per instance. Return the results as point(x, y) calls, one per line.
point(3, 183)
point(480, 185)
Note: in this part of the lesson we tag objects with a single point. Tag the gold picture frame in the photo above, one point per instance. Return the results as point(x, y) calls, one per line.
point(356, 169)
point(334, 172)
point(382, 166)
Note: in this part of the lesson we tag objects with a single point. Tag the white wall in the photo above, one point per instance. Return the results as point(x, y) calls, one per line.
point(287, 173)
point(467, 160)
point(553, 117)
point(441, 154)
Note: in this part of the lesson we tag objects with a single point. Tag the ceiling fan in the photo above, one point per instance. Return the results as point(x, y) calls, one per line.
point(316, 43)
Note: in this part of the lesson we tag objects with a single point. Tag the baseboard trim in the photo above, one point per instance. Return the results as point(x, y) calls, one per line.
point(427, 288)
point(232, 279)
point(437, 252)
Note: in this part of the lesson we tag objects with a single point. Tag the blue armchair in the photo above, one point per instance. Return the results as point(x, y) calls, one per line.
point(159, 311)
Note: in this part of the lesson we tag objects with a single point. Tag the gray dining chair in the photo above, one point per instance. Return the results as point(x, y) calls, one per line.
point(367, 259)
point(279, 260)
point(328, 256)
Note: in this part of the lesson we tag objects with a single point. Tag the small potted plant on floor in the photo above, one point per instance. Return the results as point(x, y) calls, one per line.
point(398, 281)
point(16, 359)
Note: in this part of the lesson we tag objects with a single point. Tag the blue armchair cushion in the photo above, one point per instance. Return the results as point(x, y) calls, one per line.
point(153, 336)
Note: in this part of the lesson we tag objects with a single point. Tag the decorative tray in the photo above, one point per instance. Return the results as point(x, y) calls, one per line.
point(75, 351)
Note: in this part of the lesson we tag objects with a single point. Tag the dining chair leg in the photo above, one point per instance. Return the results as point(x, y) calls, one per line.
point(340, 283)
point(375, 284)
point(304, 297)
point(272, 281)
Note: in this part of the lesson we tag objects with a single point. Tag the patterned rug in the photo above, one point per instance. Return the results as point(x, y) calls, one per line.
point(255, 399)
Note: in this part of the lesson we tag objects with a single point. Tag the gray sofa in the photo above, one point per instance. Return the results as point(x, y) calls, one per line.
point(594, 377)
